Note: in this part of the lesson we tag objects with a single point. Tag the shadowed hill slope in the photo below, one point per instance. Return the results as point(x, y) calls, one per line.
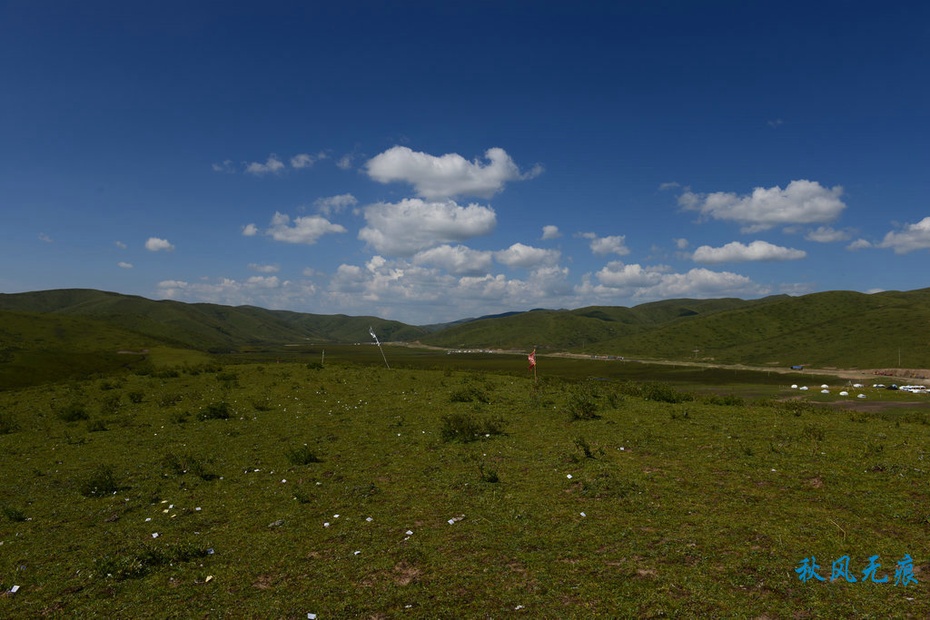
point(208, 327)
point(840, 329)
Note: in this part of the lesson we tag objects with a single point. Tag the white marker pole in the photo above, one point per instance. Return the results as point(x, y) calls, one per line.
point(378, 342)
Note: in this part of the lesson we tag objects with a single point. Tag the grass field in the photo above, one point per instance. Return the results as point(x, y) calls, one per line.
point(451, 487)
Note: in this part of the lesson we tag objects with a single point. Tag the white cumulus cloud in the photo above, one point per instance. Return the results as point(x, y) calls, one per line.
point(307, 229)
point(335, 204)
point(264, 268)
point(912, 237)
point(801, 202)
point(412, 225)
point(271, 165)
point(124, 265)
point(305, 160)
point(658, 282)
point(154, 244)
point(520, 255)
point(826, 234)
point(458, 260)
point(449, 175)
point(613, 244)
point(737, 252)
point(550, 232)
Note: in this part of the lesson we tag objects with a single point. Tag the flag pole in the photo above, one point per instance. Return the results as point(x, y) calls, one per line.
point(378, 342)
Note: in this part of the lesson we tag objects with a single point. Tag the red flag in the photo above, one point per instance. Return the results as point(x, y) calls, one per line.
point(532, 358)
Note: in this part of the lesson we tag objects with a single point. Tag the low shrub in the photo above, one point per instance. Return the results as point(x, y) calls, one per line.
point(13, 514)
point(302, 455)
point(74, 412)
point(582, 403)
point(8, 423)
point(99, 483)
point(144, 559)
point(467, 427)
point(470, 394)
point(215, 411)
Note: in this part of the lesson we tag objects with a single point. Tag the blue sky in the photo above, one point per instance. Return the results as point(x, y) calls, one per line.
point(426, 161)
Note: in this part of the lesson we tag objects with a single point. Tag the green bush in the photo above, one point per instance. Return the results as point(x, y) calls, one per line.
point(302, 455)
point(74, 412)
point(466, 427)
point(99, 483)
point(215, 411)
point(582, 403)
point(8, 423)
point(144, 559)
point(13, 514)
point(470, 394)
point(188, 464)
point(96, 426)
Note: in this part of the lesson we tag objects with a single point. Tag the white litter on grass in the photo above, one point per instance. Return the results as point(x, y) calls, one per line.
point(454, 520)
point(583, 514)
point(155, 534)
point(283, 480)
point(357, 552)
point(569, 476)
point(147, 519)
point(335, 516)
point(518, 607)
point(410, 532)
point(369, 519)
point(14, 589)
point(197, 508)
point(311, 616)
point(326, 524)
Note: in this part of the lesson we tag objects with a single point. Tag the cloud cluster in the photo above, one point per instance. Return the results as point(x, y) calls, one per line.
point(737, 252)
point(422, 268)
point(273, 164)
point(912, 237)
point(659, 282)
point(307, 229)
point(601, 246)
point(446, 176)
point(801, 202)
point(414, 224)
point(154, 244)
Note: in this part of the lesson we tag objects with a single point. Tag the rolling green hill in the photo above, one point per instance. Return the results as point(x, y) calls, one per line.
point(833, 329)
point(838, 329)
point(578, 330)
point(35, 348)
point(207, 327)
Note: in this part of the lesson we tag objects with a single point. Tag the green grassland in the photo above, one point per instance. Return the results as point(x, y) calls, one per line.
point(281, 485)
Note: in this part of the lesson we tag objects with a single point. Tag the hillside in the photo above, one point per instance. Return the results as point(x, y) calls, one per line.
point(35, 347)
point(832, 329)
point(579, 330)
point(838, 329)
point(206, 327)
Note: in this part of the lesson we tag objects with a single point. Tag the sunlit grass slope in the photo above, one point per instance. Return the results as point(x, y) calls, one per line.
point(282, 490)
